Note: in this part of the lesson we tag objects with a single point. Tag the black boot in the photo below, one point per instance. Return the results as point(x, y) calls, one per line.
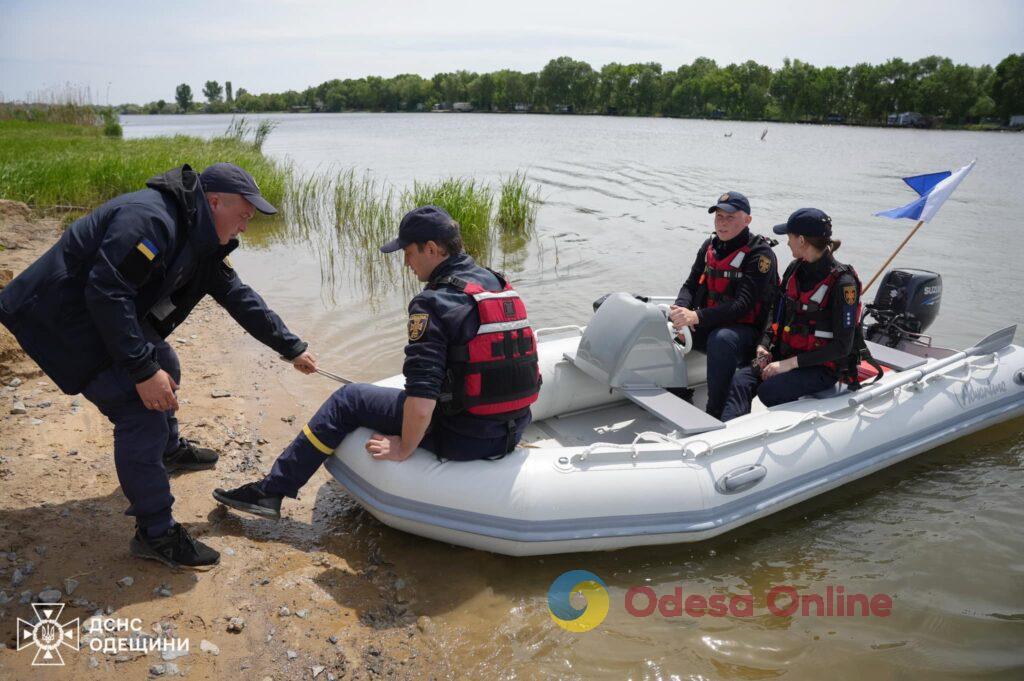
point(176, 548)
point(188, 457)
point(251, 499)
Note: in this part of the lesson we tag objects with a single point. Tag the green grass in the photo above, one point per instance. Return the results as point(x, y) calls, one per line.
point(242, 129)
point(343, 216)
point(517, 205)
point(70, 107)
point(469, 202)
point(74, 167)
point(365, 212)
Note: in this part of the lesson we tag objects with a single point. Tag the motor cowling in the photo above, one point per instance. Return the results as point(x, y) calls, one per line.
point(906, 304)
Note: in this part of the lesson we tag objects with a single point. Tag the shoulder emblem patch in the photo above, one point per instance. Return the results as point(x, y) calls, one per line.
point(850, 294)
point(418, 326)
point(764, 264)
point(139, 262)
point(147, 249)
point(227, 262)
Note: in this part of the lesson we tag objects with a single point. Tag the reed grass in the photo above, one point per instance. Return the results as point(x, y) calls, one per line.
point(365, 213)
point(69, 104)
point(469, 202)
point(243, 130)
point(517, 205)
point(49, 159)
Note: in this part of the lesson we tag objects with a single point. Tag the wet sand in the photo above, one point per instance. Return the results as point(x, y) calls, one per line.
point(317, 592)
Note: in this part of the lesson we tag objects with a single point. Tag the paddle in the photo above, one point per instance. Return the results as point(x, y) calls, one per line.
point(994, 342)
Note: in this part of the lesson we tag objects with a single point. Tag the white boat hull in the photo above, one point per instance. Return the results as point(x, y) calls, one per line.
point(562, 493)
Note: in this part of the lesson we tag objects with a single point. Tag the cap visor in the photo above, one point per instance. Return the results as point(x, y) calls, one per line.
point(392, 246)
point(260, 204)
point(780, 229)
point(727, 207)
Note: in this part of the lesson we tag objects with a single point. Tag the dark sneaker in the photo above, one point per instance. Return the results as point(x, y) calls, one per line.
point(251, 499)
point(188, 457)
point(176, 548)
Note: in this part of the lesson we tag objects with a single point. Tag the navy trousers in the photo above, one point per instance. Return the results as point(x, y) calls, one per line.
point(141, 438)
point(376, 408)
point(786, 387)
point(727, 348)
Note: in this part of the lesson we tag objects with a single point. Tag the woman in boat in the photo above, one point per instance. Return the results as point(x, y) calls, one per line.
point(811, 339)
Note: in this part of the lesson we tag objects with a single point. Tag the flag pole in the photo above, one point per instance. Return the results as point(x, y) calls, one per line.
point(892, 257)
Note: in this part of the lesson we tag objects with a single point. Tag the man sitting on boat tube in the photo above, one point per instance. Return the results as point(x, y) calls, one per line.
point(471, 373)
point(725, 299)
point(813, 338)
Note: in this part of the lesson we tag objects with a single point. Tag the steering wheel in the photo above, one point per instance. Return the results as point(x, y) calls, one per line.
point(673, 332)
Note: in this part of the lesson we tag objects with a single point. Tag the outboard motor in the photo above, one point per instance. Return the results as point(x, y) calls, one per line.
point(906, 304)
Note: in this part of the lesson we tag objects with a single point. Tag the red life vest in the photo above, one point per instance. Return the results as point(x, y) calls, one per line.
point(806, 322)
point(722, 275)
point(496, 373)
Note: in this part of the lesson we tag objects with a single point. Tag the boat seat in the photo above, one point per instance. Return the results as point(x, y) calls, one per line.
point(897, 360)
point(891, 358)
point(677, 411)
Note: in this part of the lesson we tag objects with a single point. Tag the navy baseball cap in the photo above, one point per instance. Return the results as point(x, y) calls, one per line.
point(808, 222)
point(731, 202)
point(420, 225)
point(230, 179)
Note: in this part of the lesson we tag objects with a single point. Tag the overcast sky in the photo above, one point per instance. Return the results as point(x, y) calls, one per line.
point(140, 51)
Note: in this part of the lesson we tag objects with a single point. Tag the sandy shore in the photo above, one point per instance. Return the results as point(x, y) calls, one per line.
point(317, 594)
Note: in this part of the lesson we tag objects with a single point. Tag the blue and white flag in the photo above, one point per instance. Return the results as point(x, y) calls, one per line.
point(934, 189)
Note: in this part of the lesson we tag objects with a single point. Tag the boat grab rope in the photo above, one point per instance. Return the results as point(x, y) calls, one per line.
point(969, 365)
point(890, 397)
point(633, 447)
point(693, 449)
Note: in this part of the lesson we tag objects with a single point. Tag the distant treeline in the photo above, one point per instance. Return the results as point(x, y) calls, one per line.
point(935, 87)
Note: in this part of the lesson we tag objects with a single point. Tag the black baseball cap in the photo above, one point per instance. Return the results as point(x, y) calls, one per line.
point(420, 225)
point(808, 222)
point(731, 202)
point(230, 179)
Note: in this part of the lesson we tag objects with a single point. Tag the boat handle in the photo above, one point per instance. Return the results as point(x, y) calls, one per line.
point(741, 478)
point(687, 344)
point(556, 329)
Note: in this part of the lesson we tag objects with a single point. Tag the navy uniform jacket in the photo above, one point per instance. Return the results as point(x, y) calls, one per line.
point(126, 274)
point(441, 316)
point(755, 284)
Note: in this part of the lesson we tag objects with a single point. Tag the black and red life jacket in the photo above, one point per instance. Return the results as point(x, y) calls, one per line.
point(722, 275)
point(806, 324)
point(496, 374)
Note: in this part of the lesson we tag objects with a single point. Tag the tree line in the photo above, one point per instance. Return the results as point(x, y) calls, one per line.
point(797, 91)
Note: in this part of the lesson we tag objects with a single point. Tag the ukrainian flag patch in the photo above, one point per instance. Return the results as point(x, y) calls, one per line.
point(147, 249)
point(139, 262)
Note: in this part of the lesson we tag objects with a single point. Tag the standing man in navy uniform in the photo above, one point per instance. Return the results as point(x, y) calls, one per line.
point(94, 310)
point(726, 298)
point(470, 369)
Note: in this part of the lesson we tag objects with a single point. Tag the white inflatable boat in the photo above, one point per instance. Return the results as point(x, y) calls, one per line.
point(613, 459)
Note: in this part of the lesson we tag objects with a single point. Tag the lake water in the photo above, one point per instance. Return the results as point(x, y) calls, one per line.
point(624, 209)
